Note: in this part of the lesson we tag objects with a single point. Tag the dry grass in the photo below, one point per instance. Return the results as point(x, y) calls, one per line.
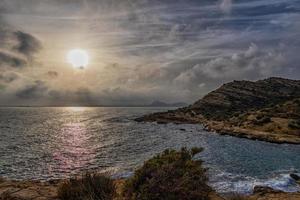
point(7, 196)
point(237, 197)
point(88, 187)
point(2, 180)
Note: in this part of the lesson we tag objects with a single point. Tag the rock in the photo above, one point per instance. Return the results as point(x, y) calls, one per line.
point(26, 194)
point(267, 193)
point(2, 180)
point(8, 190)
point(28, 190)
point(295, 177)
point(264, 189)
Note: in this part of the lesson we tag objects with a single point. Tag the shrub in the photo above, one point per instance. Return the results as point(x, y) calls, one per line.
point(261, 120)
point(297, 101)
point(2, 180)
point(294, 124)
point(7, 196)
point(171, 175)
point(88, 187)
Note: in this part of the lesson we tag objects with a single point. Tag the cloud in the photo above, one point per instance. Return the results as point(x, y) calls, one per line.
point(12, 60)
point(28, 44)
point(251, 63)
point(34, 91)
point(80, 96)
point(8, 77)
point(52, 74)
point(226, 6)
point(17, 47)
point(185, 77)
point(164, 50)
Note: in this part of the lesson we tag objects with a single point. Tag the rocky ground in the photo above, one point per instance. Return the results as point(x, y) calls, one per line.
point(28, 190)
point(34, 190)
point(267, 110)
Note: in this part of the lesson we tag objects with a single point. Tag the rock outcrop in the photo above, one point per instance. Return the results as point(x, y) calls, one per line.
point(267, 193)
point(296, 178)
point(28, 190)
point(267, 110)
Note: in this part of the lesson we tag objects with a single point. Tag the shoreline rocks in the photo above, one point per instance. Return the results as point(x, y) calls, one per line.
point(296, 178)
point(36, 190)
point(27, 190)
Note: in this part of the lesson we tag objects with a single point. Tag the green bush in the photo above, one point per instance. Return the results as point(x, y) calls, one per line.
point(294, 124)
point(171, 175)
point(261, 120)
point(88, 187)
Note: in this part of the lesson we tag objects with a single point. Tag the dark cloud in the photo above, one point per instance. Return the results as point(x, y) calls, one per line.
point(9, 77)
point(80, 96)
point(34, 91)
point(52, 74)
point(7, 59)
point(28, 44)
point(17, 47)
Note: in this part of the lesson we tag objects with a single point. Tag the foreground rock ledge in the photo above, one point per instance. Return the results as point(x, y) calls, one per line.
point(35, 190)
point(28, 190)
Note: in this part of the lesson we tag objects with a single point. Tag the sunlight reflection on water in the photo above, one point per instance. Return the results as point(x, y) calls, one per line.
point(74, 152)
point(77, 109)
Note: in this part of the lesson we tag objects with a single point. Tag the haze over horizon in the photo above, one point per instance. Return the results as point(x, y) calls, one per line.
point(141, 51)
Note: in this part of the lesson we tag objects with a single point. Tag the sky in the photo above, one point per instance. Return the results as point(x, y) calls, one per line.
point(141, 50)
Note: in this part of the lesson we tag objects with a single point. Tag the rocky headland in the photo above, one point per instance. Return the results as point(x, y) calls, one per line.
point(267, 110)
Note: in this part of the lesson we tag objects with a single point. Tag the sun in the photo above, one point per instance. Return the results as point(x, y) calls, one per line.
point(78, 58)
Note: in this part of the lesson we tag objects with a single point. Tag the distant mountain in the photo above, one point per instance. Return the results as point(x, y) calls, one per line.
point(163, 104)
point(267, 109)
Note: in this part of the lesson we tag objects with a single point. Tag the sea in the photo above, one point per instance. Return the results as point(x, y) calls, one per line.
point(44, 143)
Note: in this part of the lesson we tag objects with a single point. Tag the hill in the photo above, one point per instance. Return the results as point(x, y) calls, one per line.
point(267, 110)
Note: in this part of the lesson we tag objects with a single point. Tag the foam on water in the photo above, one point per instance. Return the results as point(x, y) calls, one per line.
point(245, 184)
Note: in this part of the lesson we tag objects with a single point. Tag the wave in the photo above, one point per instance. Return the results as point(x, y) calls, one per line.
point(227, 182)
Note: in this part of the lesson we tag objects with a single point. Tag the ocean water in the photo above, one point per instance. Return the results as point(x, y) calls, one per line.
point(51, 143)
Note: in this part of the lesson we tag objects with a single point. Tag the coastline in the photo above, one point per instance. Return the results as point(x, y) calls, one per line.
point(266, 110)
point(48, 190)
point(220, 127)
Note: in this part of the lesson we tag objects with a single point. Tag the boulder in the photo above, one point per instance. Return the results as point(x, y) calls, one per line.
point(295, 177)
point(264, 189)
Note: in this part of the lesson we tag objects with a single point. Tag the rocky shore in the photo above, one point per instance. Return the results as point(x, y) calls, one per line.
point(35, 190)
point(28, 190)
point(267, 110)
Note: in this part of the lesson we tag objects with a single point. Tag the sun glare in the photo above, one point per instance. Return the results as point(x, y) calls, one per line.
point(78, 58)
